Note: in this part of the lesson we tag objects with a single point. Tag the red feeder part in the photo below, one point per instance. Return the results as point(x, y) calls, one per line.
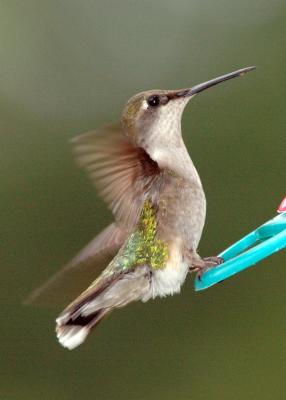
point(282, 207)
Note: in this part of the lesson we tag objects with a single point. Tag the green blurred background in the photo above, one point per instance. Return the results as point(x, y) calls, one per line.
point(69, 66)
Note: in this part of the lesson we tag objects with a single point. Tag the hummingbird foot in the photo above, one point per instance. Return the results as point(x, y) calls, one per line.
point(204, 264)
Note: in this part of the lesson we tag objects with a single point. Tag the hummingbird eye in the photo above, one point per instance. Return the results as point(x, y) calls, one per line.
point(153, 101)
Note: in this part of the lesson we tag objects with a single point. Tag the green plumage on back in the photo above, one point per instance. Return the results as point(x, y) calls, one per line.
point(150, 250)
point(142, 247)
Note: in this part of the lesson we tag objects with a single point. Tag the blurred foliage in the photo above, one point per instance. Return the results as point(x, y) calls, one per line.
point(69, 66)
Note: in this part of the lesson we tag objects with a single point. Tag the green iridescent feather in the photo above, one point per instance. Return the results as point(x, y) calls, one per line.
point(142, 247)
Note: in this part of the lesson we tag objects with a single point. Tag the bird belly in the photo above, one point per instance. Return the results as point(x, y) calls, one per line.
point(167, 281)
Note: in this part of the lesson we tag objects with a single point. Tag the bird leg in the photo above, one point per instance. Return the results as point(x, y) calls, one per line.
point(201, 265)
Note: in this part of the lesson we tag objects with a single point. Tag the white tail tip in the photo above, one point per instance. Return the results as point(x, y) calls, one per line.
point(71, 336)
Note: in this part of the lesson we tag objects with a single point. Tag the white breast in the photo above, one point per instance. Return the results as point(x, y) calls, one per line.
point(167, 281)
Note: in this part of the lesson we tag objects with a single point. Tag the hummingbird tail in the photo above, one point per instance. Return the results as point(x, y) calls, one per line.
point(76, 322)
point(74, 332)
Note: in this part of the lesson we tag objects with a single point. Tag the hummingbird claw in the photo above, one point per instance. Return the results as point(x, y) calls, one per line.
point(204, 264)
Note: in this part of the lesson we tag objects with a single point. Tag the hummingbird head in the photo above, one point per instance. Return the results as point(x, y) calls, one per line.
point(152, 119)
point(154, 116)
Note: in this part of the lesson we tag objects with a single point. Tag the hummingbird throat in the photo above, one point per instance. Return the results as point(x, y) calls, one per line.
point(143, 247)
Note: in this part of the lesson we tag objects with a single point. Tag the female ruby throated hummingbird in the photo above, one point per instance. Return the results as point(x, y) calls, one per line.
point(142, 169)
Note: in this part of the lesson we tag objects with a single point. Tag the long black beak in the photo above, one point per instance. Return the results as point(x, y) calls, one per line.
point(203, 86)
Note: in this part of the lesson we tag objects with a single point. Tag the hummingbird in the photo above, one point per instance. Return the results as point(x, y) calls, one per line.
point(143, 171)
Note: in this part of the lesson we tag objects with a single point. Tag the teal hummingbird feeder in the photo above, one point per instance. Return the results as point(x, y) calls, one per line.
point(267, 239)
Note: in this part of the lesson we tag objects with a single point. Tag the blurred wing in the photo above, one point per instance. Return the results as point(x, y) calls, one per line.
point(77, 275)
point(122, 172)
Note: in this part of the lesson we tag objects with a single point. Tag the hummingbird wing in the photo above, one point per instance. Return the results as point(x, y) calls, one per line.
point(73, 278)
point(123, 174)
point(121, 171)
